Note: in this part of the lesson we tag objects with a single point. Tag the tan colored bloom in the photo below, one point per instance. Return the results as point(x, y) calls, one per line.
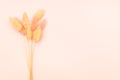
point(16, 24)
point(32, 30)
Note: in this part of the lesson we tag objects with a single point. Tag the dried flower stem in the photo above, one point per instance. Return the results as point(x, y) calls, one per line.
point(29, 46)
point(27, 52)
point(32, 30)
point(31, 60)
point(31, 63)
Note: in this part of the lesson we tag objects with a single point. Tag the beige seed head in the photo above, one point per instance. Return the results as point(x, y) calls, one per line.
point(37, 35)
point(16, 24)
point(26, 21)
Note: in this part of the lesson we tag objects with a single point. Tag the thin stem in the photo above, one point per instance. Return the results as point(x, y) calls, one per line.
point(31, 61)
point(29, 45)
point(26, 50)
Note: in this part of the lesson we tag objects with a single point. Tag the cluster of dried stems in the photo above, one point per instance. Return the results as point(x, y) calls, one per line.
point(32, 31)
point(29, 46)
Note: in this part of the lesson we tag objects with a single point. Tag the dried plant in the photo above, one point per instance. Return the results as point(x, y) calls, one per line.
point(32, 31)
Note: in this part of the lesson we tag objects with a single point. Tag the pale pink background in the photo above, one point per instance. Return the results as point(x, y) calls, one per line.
point(81, 42)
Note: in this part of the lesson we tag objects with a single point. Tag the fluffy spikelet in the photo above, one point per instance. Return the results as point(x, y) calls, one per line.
point(27, 26)
point(23, 31)
point(37, 35)
point(29, 34)
point(26, 21)
point(38, 15)
point(34, 26)
point(32, 30)
point(43, 24)
point(16, 24)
